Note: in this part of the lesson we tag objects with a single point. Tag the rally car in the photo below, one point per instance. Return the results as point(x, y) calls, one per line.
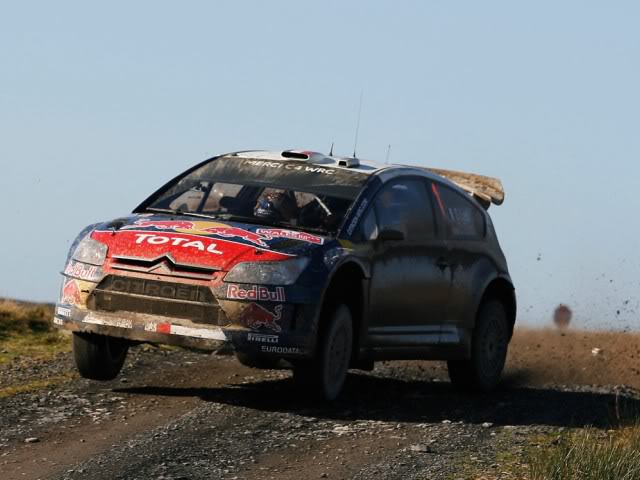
point(321, 262)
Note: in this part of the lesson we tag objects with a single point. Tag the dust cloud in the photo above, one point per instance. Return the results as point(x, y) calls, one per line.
point(552, 356)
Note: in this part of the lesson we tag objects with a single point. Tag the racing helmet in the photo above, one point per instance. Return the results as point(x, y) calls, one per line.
point(276, 206)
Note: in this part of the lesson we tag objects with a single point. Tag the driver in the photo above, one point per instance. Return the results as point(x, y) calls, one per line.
point(276, 207)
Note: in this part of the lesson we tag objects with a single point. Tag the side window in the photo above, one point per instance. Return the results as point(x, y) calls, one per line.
point(369, 226)
point(462, 217)
point(405, 205)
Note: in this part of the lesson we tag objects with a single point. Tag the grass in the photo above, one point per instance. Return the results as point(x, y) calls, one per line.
point(589, 454)
point(592, 454)
point(26, 330)
point(22, 317)
point(35, 385)
point(582, 454)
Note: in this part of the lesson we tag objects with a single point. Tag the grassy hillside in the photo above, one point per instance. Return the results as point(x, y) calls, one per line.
point(27, 330)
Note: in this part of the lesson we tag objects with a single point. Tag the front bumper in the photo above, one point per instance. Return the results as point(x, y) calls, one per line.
point(139, 327)
point(142, 307)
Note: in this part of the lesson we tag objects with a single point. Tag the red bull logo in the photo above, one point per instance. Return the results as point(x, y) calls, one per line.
point(258, 316)
point(84, 272)
point(201, 228)
point(231, 232)
point(71, 293)
point(256, 293)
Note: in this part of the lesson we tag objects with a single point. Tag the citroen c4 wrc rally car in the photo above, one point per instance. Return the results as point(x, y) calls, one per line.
point(328, 263)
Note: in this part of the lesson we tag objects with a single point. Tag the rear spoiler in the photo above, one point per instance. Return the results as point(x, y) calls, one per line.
point(486, 190)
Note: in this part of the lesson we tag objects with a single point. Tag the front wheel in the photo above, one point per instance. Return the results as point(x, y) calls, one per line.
point(99, 357)
point(489, 344)
point(325, 375)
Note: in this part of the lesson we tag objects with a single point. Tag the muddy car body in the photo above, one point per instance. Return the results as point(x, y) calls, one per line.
point(374, 262)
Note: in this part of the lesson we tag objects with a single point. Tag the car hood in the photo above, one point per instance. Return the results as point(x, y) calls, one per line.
point(192, 241)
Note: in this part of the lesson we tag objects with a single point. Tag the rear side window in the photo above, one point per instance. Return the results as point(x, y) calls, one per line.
point(462, 218)
point(405, 205)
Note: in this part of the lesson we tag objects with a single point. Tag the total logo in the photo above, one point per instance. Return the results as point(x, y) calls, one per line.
point(201, 228)
point(152, 239)
point(236, 292)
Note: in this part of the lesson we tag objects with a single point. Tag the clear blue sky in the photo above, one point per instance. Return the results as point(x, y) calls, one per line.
point(100, 103)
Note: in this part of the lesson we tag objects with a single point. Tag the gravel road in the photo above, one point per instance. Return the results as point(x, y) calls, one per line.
point(184, 415)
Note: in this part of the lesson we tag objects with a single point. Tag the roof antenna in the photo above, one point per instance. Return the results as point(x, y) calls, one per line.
point(331, 151)
point(355, 144)
point(388, 150)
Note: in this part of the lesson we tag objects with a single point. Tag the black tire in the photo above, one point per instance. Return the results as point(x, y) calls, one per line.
point(489, 345)
point(254, 361)
point(324, 376)
point(99, 357)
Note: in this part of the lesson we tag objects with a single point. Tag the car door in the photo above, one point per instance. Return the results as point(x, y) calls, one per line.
point(408, 287)
point(465, 228)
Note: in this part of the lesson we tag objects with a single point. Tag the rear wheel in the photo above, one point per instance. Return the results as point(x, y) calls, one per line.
point(488, 351)
point(99, 357)
point(325, 375)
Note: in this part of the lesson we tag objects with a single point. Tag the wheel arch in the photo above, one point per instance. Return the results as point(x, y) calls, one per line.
point(502, 289)
point(347, 284)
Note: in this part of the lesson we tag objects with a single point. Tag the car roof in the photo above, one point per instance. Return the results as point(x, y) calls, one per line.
point(487, 190)
point(317, 158)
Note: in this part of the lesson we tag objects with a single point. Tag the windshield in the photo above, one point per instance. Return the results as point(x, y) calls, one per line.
point(293, 194)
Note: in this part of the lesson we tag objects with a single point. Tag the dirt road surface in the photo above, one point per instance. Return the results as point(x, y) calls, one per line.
point(184, 415)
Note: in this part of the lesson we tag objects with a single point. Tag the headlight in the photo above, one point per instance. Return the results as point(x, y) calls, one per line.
point(90, 251)
point(285, 272)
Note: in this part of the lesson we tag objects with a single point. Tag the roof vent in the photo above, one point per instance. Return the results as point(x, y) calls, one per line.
point(294, 154)
point(349, 162)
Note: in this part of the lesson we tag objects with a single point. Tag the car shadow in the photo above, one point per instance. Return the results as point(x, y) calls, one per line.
point(372, 397)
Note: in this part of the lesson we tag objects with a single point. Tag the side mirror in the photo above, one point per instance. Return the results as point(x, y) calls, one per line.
point(388, 235)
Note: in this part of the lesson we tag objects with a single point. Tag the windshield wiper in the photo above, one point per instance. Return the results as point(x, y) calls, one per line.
point(179, 212)
point(238, 218)
point(242, 218)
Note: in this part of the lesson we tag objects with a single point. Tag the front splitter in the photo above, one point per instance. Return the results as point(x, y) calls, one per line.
point(141, 328)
